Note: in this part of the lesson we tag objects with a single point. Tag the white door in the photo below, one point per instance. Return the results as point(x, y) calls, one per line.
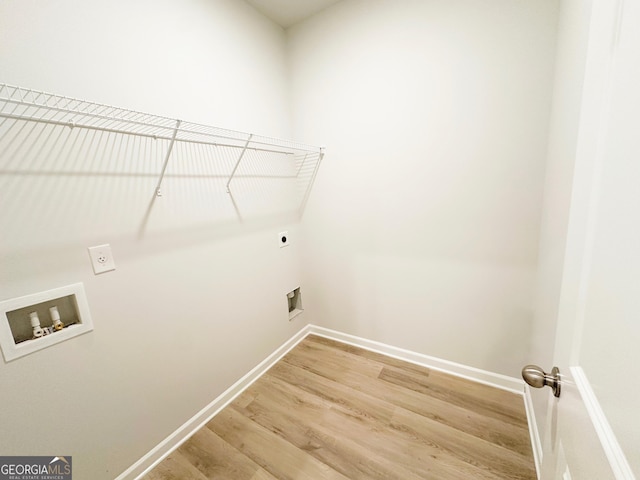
point(594, 427)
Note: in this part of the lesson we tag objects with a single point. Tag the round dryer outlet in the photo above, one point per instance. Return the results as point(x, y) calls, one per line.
point(283, 239)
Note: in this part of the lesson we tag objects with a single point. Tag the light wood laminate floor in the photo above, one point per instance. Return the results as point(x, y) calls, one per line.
point(328, 410)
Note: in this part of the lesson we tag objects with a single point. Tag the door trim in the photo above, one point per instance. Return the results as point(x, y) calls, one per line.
point(615, 455)
point(536, 442)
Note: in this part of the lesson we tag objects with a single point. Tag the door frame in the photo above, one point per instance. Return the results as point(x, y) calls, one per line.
point(604, 31)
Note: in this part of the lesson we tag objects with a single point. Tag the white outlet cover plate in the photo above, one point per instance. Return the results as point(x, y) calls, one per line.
point(285, 236)
point(101, 258)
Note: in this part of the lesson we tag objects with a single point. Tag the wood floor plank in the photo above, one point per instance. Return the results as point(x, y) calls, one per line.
point(486, 456)
point(336, 393)
point(361, 352)
point(486, 423)
point(175, 467)
point(450, 447)
point(360, 435)
point(276, 455)
point(503, 434)
point(216, 458)
point(453, 382)
point(328, 410)
point(263, 475)
point(499, 404)
point(314, 428)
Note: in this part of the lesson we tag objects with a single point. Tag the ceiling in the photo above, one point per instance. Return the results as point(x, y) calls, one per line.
point(289, 12)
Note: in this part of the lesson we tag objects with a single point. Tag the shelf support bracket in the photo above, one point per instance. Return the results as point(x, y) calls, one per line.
point(166, 158)
point(233, 172)
point(304, 159)
point(311, 181)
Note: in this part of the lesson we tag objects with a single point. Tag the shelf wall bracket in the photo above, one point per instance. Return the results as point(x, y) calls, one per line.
point(304, 159)
point(311, 182)
point(233, 172)
point(166, 158)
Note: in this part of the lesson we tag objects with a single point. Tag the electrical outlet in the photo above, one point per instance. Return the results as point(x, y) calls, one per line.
point(101, 259)
point(283, 239)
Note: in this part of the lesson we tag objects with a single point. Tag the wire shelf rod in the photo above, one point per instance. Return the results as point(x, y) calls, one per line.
point(146, 129)
point(140, 134)
point(81, 113)
point(23, 104)
point(233, 172)
point(228, 145)
point(67, 123)
point(32, 99)
point(166, 159)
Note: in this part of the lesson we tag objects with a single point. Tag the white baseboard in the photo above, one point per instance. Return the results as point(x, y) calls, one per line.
point(536, 443)
point(182, 434)
point(497, 380)
point(615, 455)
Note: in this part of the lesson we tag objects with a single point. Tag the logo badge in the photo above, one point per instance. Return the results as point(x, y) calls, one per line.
point(35, 468)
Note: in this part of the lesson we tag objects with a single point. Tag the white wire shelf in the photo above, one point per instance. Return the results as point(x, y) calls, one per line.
point(19, 105)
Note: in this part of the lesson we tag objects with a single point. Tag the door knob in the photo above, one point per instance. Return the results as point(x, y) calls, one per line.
point(535, 376)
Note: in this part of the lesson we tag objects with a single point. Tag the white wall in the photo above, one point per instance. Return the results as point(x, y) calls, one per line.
point(422, 230)
point(199, 299)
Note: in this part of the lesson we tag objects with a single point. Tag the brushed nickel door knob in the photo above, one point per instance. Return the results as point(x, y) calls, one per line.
point(537, 378)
